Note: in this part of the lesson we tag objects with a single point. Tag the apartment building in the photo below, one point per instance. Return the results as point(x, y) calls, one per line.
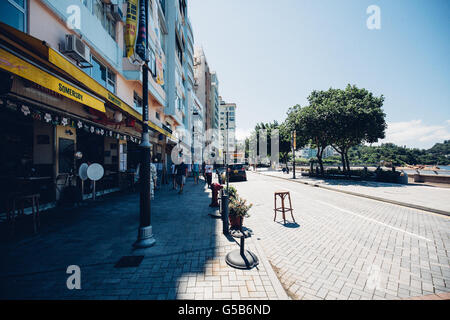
point(207, 90)
point(227, 111)
point(67, 86)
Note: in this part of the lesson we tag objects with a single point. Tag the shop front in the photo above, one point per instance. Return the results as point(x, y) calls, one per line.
point(55, 118)
point(45, 137)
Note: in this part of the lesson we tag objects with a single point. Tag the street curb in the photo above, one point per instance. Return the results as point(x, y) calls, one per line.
point(278, 287)
point(399, 203)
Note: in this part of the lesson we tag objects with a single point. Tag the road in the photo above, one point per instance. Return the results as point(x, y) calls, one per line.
point(347, 247)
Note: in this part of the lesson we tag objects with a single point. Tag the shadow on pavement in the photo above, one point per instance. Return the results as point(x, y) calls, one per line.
point(291, 225)
point(97, 235)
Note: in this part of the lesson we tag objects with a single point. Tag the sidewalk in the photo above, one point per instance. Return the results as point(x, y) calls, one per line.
point(427, 198)
point(187, 261)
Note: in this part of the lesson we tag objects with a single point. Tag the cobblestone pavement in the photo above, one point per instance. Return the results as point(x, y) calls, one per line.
point(187, 262)
point(419, 195)
point(347, 247)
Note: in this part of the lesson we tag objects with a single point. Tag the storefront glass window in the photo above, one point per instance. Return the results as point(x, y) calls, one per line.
point(13, 13)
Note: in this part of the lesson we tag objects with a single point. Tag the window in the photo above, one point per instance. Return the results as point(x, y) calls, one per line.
point(13, 13)
point(152, 62)
point(137, 102)
point(111, 81)
point(158, 116)
point(99, 10)
point(98, 72)
point(122, 157)
point(103, 75)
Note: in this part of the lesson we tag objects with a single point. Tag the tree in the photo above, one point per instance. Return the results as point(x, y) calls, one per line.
point(310, 123)
point(284, 138)
point(351, 116)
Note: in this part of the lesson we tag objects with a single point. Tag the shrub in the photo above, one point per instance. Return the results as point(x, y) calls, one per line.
point(231, 192)
point(239, 207)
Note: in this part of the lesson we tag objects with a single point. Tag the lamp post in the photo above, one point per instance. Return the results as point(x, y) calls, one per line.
point(145, 235)
point(294, 138)
point(228, 177)
point(194, 114)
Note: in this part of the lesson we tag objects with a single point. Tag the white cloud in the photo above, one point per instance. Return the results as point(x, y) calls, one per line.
point(416, 134)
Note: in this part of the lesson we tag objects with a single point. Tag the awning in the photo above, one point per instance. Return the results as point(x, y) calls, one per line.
point(31, 72)
point(61, 62)
point(39, 50)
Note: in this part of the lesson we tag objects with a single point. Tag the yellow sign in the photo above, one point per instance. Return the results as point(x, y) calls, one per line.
point(131, 26)
point(159, 71)
point(26, 70)
point(295, 140)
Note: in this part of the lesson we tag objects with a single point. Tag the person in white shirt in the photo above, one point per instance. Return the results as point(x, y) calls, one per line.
point(209, 170)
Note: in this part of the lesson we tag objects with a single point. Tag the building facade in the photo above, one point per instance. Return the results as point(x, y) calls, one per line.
point(227, 111)
point(207, 90)
point(68, 88)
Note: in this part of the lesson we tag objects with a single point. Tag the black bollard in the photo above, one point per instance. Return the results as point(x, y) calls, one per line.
point(242, 246)
point(226, 230)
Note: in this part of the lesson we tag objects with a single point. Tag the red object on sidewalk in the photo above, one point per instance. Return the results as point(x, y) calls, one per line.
point(215, 194)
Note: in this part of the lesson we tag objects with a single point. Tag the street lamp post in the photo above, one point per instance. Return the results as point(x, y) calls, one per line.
point(294, 138)
point(145, 235)
point(228, 178)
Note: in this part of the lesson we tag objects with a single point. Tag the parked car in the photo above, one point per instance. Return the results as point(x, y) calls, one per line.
point(237, 172)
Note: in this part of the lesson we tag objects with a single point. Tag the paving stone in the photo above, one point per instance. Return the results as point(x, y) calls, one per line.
point(187, 261)
point(333, 250)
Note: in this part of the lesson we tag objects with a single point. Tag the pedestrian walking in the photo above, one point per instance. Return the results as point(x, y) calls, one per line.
point(181, 171)
point(209, 172)
point(173, 175)
point(203, 170)
point(196, 172)
point(153, 180)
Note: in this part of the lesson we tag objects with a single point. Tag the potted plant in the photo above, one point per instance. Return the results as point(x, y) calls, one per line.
point(231, 192)
point(238, 209)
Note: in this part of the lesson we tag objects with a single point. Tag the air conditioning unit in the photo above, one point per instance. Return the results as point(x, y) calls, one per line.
point(76, 49)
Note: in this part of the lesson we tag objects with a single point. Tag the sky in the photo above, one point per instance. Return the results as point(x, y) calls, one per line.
point(269, 55)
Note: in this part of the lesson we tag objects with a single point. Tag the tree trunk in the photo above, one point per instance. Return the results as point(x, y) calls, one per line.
point(344, 168)
point(341, 151)
point(347, 162)
point(319, 159)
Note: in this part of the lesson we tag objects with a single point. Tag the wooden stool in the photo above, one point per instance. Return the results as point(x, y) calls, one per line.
point(283, 209)
point(19, 205)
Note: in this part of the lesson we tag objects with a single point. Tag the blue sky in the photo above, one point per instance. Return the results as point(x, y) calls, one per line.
point(269, 55)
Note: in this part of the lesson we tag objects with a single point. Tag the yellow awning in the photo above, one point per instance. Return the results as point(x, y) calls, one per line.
point(24, 69)
point(44, 52)
point(161, 130)
point(61, 62)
